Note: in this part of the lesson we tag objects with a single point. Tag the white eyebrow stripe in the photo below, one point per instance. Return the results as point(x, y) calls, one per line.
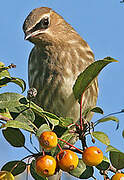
point(43, 16)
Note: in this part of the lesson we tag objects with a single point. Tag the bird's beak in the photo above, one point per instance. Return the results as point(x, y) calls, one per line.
point(27, 36)
point(31, 34)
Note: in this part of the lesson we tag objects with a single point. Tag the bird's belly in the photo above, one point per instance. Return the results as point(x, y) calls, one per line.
point(55, 94)
point(54, 77)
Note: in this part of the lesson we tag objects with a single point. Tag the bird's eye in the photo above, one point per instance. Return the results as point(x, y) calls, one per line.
point(43, 24)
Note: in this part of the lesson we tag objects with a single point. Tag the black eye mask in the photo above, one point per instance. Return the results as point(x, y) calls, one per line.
point(43, 24)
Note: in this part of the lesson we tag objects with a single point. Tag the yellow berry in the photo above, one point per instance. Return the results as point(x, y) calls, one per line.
point(45, 165)
point(67, 160)
point(118, 176)
point(92, 156)
point(48, 140)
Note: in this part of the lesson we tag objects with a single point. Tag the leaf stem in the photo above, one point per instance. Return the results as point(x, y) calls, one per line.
point(29, 156)
point(111, 114)
point(59, 147)
point(81, 122)
point(70, 144)
point(28, 150)
point(32, 143)
point(43, 152)
point(74, 150)
point(33, 125)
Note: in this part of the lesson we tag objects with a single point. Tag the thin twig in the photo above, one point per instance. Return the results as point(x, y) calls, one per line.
point(81, 122)
point(59, 147)
point(73, 149)
point(70, 144)
point(32, 143)
point(111, 114)
point(28, 150)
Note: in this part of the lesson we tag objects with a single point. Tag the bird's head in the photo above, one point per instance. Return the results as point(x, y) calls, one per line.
point(45, 25)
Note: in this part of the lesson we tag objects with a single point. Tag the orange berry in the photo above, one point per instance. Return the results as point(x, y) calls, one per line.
point(45, 165)
point(5, 175)
point(92, 156)
point(67, 160)
point(118, 176)
point(48, 140)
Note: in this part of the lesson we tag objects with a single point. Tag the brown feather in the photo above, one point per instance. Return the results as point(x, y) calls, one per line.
point(58, 57)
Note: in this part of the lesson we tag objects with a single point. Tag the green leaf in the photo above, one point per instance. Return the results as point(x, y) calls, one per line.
point(6, 78)
point(3, 71)
point(17, 166)
point(33, 172)
point(5, 113)
point(52, 118)
point(37, 109)
point(19, 82)
point(82, 171)
point(17, 124)
point(109, 118)
point(9, 100)
point(42, 128)
point(22, 114)
point(60, 130)
point(117, 159)
point(14, 137)
point(104, 165)
point(85, 79)
point(4, 81)
point(97, 110)
point(65, 122)
point(2, 65)
point(91, 109)
point(102, 137)
point(111, 148)
point(47, 116)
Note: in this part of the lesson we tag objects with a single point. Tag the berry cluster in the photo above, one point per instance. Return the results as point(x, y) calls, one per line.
point(66, 159)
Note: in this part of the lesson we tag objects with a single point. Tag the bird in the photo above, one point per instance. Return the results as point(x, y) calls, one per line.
point(58, 57)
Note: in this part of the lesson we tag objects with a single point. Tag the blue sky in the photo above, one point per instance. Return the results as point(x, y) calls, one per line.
point(100, 23)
